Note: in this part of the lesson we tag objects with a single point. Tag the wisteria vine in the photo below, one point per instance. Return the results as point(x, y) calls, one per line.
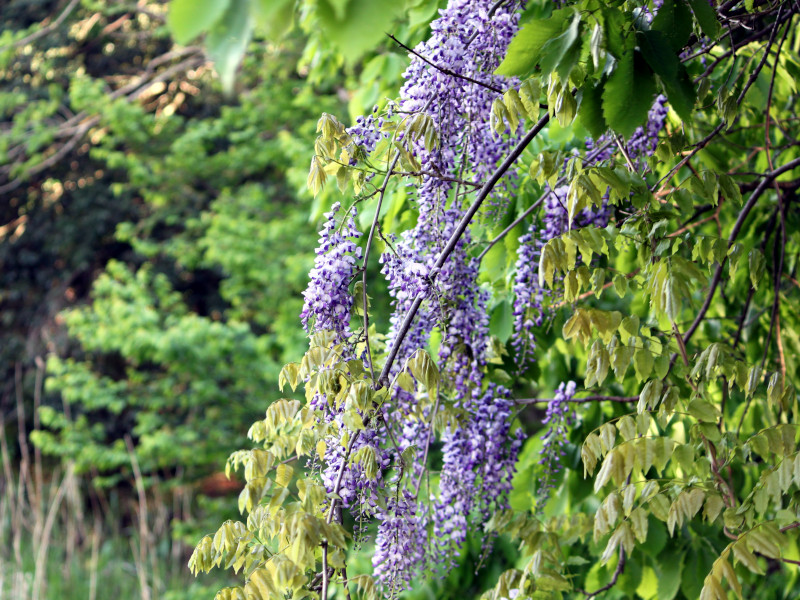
point(412, 425)
point(450, 81)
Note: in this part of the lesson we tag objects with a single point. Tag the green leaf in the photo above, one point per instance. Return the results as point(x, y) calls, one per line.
point(501, 322)
point(628, 95)
point(352, 420)
point(424, 370)
point(561, 53)
point(642, 363)
point(675, 81)
point(757, 264)
point(621, 360)
point(189, 18)
point(590, 112)
point(578, 325)
point(283, 475)
point(706, 18)
point(273, 16)
point(524, 51)
point(529, 92)
point(650, 395)
point(616, 30)
point(704, 411)
point(730, 189)
point(675, 21)
point(620, 285)
point(362, 24)
point(227, 41)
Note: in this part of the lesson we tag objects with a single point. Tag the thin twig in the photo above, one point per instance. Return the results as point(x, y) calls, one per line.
point(561, 180)
point(438, 176)
point(516, 222)
point(768, 177)
point(455, 237)
point(614, 577)
point(584, 400)
point(427, 446)
point(704, 142)
point(324, 593)
point(370, 237)
point(46, 29)
point(130, 93)
point(624, 152)
point(681, 345)
point(780, 240)
point(444, 70)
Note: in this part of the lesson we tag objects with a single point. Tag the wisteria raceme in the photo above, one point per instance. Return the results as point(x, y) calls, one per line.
point(528, 295)
point(327, 299)
point(467, 40)
point(358, 491)
point(555, 221)
point(367, 130)
point(400, 543)
point(642, 144)
point(479, 455)
point(559, 417)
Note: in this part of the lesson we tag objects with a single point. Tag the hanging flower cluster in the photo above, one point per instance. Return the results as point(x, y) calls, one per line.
point(327, 299)
point(450, 81)
point(558, 419)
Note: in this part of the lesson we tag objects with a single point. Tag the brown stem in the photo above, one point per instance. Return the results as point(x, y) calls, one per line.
point(614, 577)
point(583, 400)
point(451, 244)
point(444, 70)
point(46, 29)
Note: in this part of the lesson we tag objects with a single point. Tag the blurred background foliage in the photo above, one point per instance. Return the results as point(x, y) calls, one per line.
point(154, 243)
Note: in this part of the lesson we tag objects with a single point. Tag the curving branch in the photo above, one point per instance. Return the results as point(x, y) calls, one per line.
point(773, 28)
point(617, 572)
point(584, 400)
point(762, 187)
point(445, 70)
point(46, 29)
point(76, 127)
point(460, 229)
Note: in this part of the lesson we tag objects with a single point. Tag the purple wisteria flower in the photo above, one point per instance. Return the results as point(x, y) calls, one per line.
point(358, 491)
point(643, 142)
point(558, 418)
point(400, 544)
point(468, 38)
point(327, 299)
point(528, 295)
point(478, 464)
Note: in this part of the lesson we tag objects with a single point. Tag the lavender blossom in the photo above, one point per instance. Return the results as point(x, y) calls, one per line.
point(400, 544)
point(644, 140)
point(559, 417)
point(357, 490)
point(528, 295)
point(468, 39)
point(327, 299)
point(478, 465)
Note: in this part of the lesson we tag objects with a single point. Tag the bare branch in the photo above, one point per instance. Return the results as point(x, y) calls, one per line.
point(445, 70)
point(451, 244)
point(614, 577)
point(46, 29)
point(768, 177)
point(584, 400)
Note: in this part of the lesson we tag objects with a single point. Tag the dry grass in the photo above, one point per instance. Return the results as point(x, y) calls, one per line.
point(61, 538)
